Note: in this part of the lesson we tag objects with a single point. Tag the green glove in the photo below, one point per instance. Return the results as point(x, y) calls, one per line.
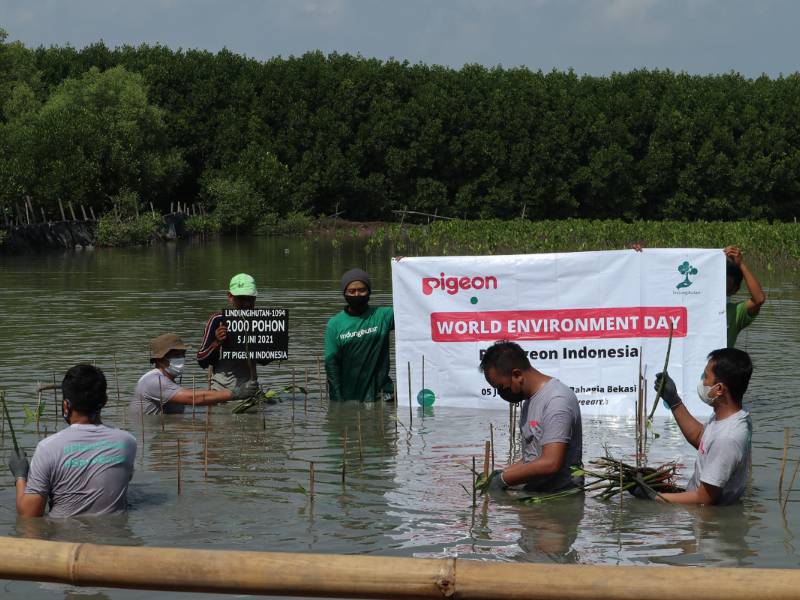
point(491, 482)
point(642, 490)
point(247, 389)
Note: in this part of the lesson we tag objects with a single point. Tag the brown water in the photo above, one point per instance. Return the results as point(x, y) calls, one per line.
point(402, 495)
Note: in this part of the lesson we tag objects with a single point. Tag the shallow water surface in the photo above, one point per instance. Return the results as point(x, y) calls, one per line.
point(402, 491)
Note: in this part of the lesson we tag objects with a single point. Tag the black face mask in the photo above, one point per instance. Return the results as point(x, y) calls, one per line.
point(509, 396)
point(357, 303)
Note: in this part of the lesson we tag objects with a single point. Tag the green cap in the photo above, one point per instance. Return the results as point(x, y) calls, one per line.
point(243, 285)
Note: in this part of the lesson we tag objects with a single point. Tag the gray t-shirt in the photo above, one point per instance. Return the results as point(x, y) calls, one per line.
point(723, 458)
point(153, 391)
point(550, 416)
point(83, 470)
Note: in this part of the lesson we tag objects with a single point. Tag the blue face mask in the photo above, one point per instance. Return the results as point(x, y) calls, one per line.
point(176, 366)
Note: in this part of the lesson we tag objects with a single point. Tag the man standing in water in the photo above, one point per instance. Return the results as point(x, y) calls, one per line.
point(357, 344)
point(723, 443)
point(550, 423)
point(83, 469)
point(158, 391)
point(229, 373)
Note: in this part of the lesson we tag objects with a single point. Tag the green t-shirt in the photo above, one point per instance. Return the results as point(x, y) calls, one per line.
point(738, 319)
point(357, 354)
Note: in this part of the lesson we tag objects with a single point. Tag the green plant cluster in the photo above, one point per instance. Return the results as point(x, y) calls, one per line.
point(123, 225)
point(317, 134)
point(770, 242)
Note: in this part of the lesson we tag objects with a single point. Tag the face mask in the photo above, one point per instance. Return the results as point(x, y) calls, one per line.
point(509, 396)
point(357, 303)
point(704, 391)
point(175, 367)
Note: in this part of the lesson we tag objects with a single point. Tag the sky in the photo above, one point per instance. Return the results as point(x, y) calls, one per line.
point(597, 37)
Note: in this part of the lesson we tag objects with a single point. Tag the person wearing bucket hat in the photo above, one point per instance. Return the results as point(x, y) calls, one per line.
point(229, 374)
point(159, 389)
point(357, 344)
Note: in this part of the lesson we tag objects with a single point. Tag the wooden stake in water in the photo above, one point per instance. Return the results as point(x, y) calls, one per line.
point(178, 450)
point(205, 444)
point(786, 434)
point(486, 456)
point(161, 402)
point(791, 485)
point(311, 480)
point(38, 409)
point(55, 402)
point(116, 379)
point(474, 489)
point(305, 396)
point(360, 441)
point(193, 398)
point(344, 456)
point(410, 407)
point(141, 415)
point(319, 379)
point(293, 386)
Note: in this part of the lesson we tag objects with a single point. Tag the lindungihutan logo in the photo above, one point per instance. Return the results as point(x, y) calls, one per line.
point(686, 269)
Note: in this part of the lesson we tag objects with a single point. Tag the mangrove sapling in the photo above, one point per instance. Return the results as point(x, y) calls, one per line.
point(660, 390)
point(266, 396)
point(178, 451)
point(786, 434)
point(8, 419)
point(305, 394)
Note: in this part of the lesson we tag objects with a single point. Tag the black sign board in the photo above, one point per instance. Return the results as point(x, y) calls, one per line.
point(260, 334)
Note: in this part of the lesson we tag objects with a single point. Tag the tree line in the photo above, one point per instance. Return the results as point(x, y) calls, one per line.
point(318, 133)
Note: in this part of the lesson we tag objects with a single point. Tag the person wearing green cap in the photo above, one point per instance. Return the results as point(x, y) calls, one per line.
point(357, 344)
point(229, 374)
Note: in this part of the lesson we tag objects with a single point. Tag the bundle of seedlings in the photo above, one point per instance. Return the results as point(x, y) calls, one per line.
point(608, 476)
point(264, 397)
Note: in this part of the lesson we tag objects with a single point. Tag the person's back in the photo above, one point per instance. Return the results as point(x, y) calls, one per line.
point(84, 469)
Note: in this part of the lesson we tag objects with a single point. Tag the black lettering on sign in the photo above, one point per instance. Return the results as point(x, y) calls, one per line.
point(260, 334)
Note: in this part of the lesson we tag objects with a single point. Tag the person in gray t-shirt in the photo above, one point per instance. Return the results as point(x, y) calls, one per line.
point(81, 470)
point(723, 444)
point(158, 391)
point(550, 422)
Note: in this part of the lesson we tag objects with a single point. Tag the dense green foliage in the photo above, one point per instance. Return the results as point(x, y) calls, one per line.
point(769, 242)
point(318, 133)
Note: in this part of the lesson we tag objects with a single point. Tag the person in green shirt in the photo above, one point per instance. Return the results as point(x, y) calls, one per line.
point(357, 344)
point(740, 314)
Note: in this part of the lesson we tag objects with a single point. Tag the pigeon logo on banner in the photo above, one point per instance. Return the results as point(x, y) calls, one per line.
point(455, 284)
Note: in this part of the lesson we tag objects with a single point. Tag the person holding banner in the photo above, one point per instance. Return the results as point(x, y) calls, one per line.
point(550, 423)
point(357, 344)
point(740, 314)
point(229, 373)
point(723, 443)
point(158, 391)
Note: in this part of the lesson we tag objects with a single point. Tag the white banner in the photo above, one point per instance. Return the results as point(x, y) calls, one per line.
point(584, 317)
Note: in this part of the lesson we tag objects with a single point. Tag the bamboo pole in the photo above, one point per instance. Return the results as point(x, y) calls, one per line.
point(791, 485)
point(305, 396)
point(360, 576)
point(10, 425)
point(55, 401)
point(663, 377)
point(194, 400)
point(486, 456)
point(161, 402)
point(3, 420)
point(474, 488)
point(311, 480)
